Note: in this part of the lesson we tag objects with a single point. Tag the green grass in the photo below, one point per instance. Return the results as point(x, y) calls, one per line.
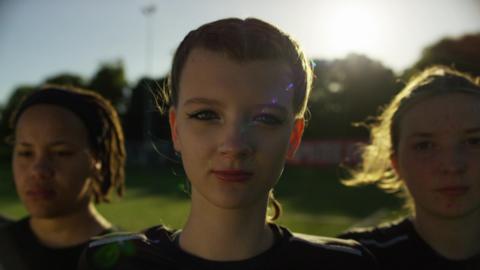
point(313, 199)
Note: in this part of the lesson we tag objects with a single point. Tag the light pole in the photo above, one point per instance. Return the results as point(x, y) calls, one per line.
point(148, 11)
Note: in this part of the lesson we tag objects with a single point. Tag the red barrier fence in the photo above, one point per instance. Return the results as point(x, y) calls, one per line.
point(327, 152)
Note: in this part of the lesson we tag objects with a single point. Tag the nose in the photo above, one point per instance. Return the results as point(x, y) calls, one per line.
point(42, 167)
point(453, 161)
point(235, 143)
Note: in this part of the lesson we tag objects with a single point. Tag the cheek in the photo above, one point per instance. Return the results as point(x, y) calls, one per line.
point(277, 148)
point(19, 170)
point(273, 149)
point(197, 149)
point(192, 134)
point(416, 173)
point(473, 158)
point(77, 170)
point(75, 185)
point(195, 141)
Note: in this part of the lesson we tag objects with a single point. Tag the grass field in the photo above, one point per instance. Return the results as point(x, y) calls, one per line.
point(313, 199)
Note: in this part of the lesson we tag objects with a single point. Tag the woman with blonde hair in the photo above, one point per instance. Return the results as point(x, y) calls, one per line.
point(425, 146)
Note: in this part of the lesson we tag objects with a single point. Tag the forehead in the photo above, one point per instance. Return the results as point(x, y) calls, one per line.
point(445, 114)
point(214, 73)
point(49, 122)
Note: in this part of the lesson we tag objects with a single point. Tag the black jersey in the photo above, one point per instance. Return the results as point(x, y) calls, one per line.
point(4, 220)
point(157, 248)
point(25, 251)
point(398, 246)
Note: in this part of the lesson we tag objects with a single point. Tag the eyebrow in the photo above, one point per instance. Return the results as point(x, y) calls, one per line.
point(420, 135)
point(200, 100)
point(55, 143)
point(429, 135)
point(273, 106)
point(208, 101)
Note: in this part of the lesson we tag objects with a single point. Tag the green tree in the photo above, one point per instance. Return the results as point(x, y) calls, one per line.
point(146, 129)
point(6, 113)
point(462, 53)
point(347, 91)
point(143, 121)
point(67, 79)
point(110, 82)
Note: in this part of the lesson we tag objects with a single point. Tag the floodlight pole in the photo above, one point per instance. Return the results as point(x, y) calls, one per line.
point(148, 11)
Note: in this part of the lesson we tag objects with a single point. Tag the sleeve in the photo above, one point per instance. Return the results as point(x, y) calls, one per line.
point(125, 252)
point(331, 253)
point(109, 253)
point(10, 254)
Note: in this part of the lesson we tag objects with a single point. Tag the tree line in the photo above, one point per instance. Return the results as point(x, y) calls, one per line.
point(345, 91)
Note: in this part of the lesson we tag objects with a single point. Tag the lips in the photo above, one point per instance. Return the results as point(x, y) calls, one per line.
point(40, 193)
point(232, 175)
point(453, 191)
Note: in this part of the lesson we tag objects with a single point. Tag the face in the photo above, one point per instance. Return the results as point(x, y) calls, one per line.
point(439, 155)
point(234, 126)
point(52, 162)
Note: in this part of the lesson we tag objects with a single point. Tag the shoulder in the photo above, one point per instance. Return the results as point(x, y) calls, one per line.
point(326, 251)
point(11, 243)
point(19, 231)
point(120, 250)
point(5, 223)
point(4, 220)
point(342, 246)
point(152, 234)
point(387, 235)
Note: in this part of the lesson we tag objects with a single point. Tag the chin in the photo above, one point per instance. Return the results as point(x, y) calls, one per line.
point(234, 203)
point(44, 214)
point(49, 213)
point(456, 212)
point(228, 204)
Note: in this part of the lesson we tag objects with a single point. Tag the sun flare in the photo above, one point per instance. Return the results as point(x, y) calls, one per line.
point(354, 28)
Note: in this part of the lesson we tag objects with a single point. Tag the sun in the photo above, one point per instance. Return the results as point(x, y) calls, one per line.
point(353, 28)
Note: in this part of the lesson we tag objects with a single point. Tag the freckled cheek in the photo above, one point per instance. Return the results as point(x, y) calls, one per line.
point(414, 163)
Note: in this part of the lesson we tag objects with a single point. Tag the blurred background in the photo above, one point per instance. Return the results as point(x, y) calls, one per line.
point(362, 52)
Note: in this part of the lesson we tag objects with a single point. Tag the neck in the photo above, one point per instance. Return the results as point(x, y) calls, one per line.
point(69, 230)
point(221, 234)
point(454, 238)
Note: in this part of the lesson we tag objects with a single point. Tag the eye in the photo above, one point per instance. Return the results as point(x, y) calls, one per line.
point(64, 153)
point(24, 153)
point(268, 119)
point(203, 115)
point(423, 145)
point(474, 141)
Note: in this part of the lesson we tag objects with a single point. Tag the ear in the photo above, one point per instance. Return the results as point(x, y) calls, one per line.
point(95, 171)
point(394, 163)
point(172, 119)
point(295, 137)
point(97, 164)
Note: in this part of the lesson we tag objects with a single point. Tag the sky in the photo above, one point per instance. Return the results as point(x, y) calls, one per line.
point(43, 38)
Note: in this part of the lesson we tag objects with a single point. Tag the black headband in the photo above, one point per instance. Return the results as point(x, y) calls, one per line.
point(82, 105)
